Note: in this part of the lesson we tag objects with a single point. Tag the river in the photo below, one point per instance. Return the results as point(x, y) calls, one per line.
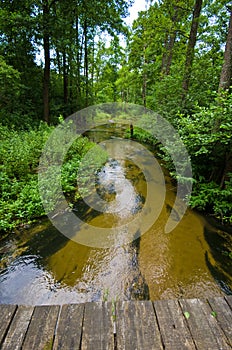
point(41, 266)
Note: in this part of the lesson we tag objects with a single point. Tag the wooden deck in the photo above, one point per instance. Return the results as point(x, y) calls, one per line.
point(143, 325)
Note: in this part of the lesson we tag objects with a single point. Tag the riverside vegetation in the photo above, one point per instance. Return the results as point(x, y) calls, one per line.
point(177, 61)
point(20, 153)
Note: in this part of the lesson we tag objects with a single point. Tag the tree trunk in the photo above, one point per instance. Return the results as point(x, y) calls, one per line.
point(227, 169)
point(168, 54)
point(78, 55)
point(144, 88)
point(226, 72)
point(58, 62)
point(46, 46)
point(71, 82)
point(164, 57)
point(92, 71)
point(144, 92)
point(65, 79)
point(224, 84)
point(171, 44)
point(190, 48)
point(86, 65)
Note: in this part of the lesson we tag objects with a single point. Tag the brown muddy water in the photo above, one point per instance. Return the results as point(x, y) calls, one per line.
point(41, 266)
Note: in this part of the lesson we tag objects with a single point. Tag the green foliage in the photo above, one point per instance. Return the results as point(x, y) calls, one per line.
point(10, 84)
point(19, 156)
point(20, 152)
point(211, 198)
point(20, 202)
point(17, 109)
point(149, 71)
point(207, 137)
point(78, 163)
point(141, 135)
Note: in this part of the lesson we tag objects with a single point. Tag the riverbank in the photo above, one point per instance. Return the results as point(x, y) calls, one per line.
point(192, 260)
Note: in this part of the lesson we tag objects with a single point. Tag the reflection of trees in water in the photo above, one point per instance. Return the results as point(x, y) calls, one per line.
point(136, 288)
point(221, 266)
point(45, 244)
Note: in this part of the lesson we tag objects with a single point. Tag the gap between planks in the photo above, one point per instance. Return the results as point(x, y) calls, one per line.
point(165, 324)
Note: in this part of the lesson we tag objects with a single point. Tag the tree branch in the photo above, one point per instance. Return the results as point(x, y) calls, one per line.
point(52, 3)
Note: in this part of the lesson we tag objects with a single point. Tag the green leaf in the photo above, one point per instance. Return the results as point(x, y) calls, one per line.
point(187, 315)
point(214, 314)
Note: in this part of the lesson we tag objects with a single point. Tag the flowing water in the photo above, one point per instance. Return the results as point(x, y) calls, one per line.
point(41, 266)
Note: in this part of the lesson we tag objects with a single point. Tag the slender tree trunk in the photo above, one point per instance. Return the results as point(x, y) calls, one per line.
point(92, 71)
point(224, 84)
point(144, 88)
point(144, 91)
point(65, 79)
point(164, 57)
point(227, 169)
point(171, 44)
point(58, 61)
point(190, 48)
point(86, 65)
point(46, 46)
point(226, 72)
point(78, 58)
point(71, 79)
point(168, 54)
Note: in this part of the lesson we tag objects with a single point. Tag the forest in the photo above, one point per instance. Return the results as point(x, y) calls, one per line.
point(60, 56)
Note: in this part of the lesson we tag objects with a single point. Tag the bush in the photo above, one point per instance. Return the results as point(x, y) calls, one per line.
point(19, 157)
point(20, 153)
point(211, 198)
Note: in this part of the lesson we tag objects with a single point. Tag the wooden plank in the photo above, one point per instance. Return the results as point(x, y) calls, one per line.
point(204, 328)
point(223, 314)
point(6, 314)
point(173, 328)
point(69, 329)
point(229, 300)
point(98, 327)
point(18, 328)
point(136, 326)
point(41, 330)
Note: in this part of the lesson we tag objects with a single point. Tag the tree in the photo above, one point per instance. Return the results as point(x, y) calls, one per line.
point(175, 13)
point(224, 85)
point(46, 46)
point(190, 48)
point(74, 39)
point(226, 72)
point(106, 71)
point(17, 46)
point(9, 89)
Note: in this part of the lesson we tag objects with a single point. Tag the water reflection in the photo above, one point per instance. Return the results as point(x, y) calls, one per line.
point(41, 266)
point(220, 244)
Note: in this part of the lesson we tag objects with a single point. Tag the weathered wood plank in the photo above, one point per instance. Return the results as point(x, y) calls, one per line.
point(98, 327)
point(173, 328)
point(18, 328)
point(204, 328)
point(136, 326)
point(223, 316)
point(69, 329)
point(6, 314)
point(229, 300)
point(41, 330)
